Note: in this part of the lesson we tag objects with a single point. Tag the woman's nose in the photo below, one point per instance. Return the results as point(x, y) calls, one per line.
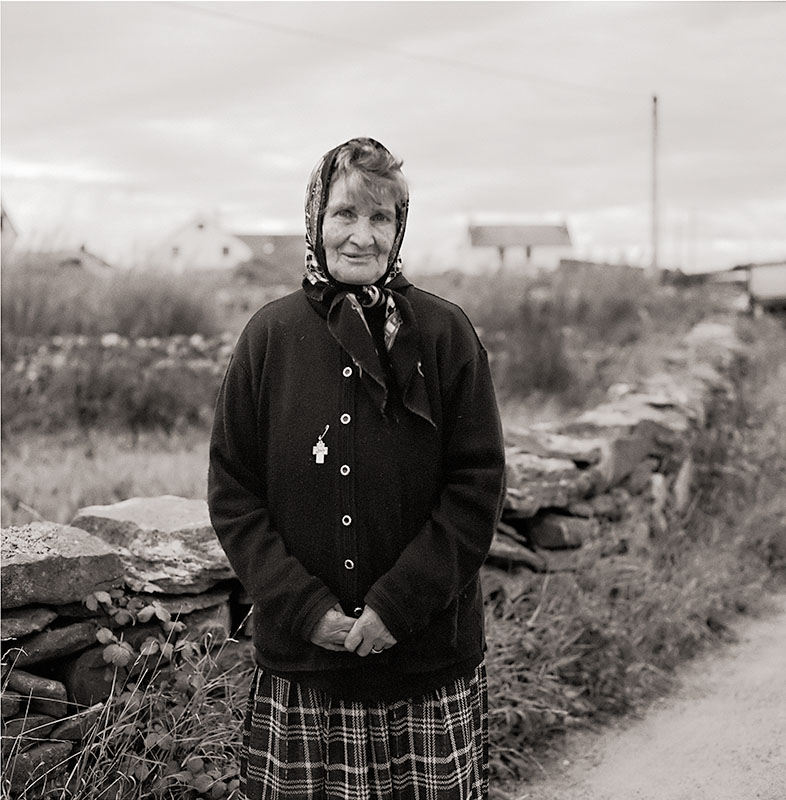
point(362, 233)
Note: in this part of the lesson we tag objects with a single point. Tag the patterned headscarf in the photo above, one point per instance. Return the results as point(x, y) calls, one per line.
point(342, 304)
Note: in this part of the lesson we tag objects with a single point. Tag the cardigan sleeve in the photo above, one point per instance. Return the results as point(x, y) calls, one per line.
point(447, 553)
point(281, 589)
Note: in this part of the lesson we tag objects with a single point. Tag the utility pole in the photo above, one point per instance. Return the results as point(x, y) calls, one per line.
point(654, 264)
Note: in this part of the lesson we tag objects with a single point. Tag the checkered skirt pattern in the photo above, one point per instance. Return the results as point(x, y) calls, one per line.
point(299, 744)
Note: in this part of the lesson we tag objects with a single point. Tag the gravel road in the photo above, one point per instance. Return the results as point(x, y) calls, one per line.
point(720, 736)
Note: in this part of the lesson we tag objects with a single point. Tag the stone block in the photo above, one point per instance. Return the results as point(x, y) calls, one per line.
point(21, 769)
point(558, 532)
point(561, 560)
point(639, 480)
point(46, 563)
point(187, 604)
point(77, 726)
point(54, 644)
point(169, 544)
point(41, 695)
point(211, 625)
point(30, 727)
point(581, 508)
point(510, 553)
point(18, 622)
point(541, 440)
point(535, 483)
point(10, 704)
point(87, 679)
point(606, 506)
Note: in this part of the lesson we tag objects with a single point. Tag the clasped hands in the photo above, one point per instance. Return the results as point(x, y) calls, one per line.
point(367, 633)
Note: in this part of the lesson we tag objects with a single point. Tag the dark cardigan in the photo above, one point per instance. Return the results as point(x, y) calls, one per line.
point(400, 515)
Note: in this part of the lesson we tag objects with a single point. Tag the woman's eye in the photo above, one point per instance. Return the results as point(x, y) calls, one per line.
point(344, 212)
point(381, 218)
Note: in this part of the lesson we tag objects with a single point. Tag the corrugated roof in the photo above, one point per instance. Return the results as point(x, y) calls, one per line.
point(519, 236)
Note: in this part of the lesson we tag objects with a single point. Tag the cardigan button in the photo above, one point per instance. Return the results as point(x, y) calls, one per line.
point(347, 373)
point(346, 520)
point(344, 469)
point(358, 611)
point(345, 418)
point(349, 564)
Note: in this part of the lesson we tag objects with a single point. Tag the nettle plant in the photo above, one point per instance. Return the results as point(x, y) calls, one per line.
point(123, 611)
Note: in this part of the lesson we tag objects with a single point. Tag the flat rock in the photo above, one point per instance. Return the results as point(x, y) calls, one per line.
point(54, 644)
point(535, 482)
point(76, 727)
point(10, 704)
point(541, 440)
point(18, 622)
point(628, 411)
point(187, 604)
point(168, 543)
point(44, 759)
point(42, 695)
point(87, 678)
point(510, 553)
point(211, 626)
point(31, 726)
point(47, 563)
point(559, 531)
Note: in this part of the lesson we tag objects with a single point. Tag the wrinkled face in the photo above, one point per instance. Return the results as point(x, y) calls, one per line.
point(357, 234)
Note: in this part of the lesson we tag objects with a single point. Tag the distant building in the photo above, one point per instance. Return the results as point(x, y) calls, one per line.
point(522, 237)
point(202, 245)
point(8, 234)
point(62, 261)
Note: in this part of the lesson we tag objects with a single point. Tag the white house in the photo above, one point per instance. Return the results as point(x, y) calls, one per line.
point(200, 245)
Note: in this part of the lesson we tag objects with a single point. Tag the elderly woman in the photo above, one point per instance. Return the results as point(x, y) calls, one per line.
point(356, 477)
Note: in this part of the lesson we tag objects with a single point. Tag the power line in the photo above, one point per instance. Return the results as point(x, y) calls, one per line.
point(422, 57)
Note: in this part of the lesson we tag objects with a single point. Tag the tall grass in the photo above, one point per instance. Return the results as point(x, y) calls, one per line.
point(130, 304)
point(172, 732)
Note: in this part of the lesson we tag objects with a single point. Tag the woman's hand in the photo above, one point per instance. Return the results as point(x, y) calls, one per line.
point(331, 631)
point(369, 632)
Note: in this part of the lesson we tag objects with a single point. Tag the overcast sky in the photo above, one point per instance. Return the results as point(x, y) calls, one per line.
point(120, 121)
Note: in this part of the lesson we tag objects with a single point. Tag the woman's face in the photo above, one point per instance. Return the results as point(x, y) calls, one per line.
point(357, 234)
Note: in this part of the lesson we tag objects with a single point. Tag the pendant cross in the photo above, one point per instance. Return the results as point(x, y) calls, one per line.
point(320, 450)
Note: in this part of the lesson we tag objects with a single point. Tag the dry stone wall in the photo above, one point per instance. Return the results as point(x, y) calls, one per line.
point(143, 577)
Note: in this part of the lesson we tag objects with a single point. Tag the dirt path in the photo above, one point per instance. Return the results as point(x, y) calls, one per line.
point(721, 736)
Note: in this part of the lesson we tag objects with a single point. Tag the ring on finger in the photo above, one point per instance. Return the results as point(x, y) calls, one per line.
point(375, 651)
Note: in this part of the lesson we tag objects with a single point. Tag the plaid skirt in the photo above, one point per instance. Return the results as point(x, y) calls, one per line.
point(299, 744)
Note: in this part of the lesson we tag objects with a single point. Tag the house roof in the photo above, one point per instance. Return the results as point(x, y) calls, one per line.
point(56, 261)
point(519, 235)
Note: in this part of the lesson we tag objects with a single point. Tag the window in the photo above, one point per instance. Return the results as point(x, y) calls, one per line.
point(201, 226)
point(175, 251)
point(225, 251)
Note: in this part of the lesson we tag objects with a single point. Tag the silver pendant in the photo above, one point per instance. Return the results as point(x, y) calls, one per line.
point(320, 449)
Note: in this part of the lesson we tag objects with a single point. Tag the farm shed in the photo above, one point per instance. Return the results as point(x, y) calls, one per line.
point(525, 237)
point(766, 284)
